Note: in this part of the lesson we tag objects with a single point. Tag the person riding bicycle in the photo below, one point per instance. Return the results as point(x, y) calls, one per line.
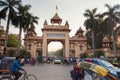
point(15, 67)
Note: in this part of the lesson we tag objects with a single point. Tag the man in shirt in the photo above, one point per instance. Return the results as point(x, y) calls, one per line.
point(15, 67)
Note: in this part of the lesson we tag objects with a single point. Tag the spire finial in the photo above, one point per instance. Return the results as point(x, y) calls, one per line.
point(66, 24)
point(45, 23)
point(56, 9)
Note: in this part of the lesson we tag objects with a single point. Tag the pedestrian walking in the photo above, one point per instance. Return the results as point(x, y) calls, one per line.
point(32, 61)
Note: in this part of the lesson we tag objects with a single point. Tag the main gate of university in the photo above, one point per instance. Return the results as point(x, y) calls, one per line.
point(72, 46)
point(56, 32)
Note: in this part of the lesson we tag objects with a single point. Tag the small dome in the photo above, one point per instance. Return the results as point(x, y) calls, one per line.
point(79, 32)
point(105, 39)
point(56, 19)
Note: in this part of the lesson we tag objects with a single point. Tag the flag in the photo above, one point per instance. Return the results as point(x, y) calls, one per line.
point(56, 7)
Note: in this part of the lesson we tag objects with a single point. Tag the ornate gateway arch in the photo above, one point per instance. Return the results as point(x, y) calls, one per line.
point(56, 32)
point(72, 46)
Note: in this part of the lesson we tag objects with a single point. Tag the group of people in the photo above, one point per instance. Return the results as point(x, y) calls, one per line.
point(70, 60)
point(31, 60)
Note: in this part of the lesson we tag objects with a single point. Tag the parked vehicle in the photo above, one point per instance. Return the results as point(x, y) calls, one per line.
point(115, 71)
point(57, 61)
point(5, 64)
point(112, 71)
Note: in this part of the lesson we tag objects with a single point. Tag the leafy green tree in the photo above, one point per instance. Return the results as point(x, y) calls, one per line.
point(98, 38)
point(30, 23)
point(8, 8)
point(91, 23)
point(11, 53)
point(23, 10)
point(99, 32)
point(111, 21)
point(89, 39)
point(58, 52)
point(12, 40)
point(25, 54)
point(84, 55)
point(99, 53)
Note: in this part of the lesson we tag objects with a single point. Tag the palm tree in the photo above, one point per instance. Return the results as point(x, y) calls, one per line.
point(99, 32)
point(8, 7)
point(23, 10)
point(30, 21)
point(91, 23)
point(111, 21)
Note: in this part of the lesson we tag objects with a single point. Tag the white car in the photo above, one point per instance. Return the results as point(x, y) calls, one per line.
point(57, 61)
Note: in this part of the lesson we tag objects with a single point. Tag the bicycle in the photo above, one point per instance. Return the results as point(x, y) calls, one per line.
point(25, 76)
point(7, 77)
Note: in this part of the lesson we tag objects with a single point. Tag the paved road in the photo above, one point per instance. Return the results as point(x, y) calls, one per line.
point(50, 71)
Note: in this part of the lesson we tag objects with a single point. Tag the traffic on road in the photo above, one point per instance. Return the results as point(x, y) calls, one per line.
point(66, 69)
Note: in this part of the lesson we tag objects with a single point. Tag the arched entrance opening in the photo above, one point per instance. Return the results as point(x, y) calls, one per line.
point(55, 49)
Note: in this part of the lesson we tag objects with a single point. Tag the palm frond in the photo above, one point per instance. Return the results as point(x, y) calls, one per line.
point(117, 6)
point(14, 2)
point(32, 26)
point(35, 17)
point(35, 21)
point(27, 7)
point(3, 13)
point(94, 10)
point(105, 14)
point(108, 6)
point(86, 15)
point(2, 3)
point(15, 20)
point(99, 16)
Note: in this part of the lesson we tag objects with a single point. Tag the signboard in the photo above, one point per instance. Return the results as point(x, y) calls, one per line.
point(56, 35)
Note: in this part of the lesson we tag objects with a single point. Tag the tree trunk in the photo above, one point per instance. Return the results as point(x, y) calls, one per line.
point(26, 40)
point(6, 35)
point(93, 44)
point(114, 43)
point(19, 39)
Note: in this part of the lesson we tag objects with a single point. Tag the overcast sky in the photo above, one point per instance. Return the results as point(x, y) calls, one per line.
point(71, 10)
